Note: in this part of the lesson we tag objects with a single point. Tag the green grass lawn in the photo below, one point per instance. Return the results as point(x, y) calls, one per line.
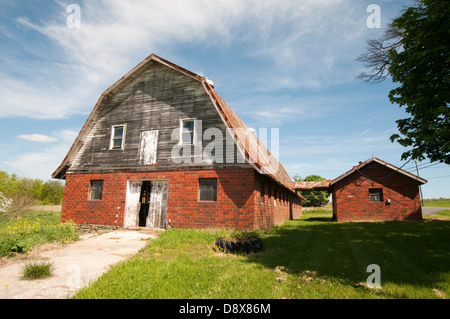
point(307, 258)
point(442, 215)
point(440, 202)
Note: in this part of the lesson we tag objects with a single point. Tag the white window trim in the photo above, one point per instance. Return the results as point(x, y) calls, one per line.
point(180, 135)
point(111, 142)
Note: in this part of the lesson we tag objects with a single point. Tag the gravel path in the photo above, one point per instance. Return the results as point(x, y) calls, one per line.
point(76, 265)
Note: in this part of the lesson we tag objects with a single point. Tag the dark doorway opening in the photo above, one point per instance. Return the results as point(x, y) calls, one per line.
point(291, 215)
point(145, 203)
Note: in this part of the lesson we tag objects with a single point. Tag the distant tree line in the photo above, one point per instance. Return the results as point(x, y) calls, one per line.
point(19, 193)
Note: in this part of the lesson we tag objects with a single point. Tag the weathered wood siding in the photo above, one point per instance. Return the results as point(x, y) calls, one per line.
point(154, 101)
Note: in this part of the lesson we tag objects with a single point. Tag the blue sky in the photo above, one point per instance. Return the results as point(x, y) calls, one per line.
point(279, 64)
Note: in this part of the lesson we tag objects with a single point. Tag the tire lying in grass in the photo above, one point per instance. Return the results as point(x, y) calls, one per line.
point(239, 246)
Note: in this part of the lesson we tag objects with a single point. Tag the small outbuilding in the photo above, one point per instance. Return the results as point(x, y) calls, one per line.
point(374, 190)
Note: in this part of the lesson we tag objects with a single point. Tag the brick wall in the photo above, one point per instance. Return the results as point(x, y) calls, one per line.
point(237, 204)
point(273, 203)
point(351, 196)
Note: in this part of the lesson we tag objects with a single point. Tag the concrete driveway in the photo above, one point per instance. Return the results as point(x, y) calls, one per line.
point(76, 265)
point(432, 210)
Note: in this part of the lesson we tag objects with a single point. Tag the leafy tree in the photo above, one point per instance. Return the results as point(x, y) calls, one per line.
point(414, 51)
point(51, 193)
point(313, 198)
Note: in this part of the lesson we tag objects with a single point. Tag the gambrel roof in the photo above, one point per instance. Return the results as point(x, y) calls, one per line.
point(250, 146)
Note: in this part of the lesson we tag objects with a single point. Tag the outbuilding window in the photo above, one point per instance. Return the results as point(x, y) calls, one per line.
point(208, 189)
point(376, 195)
point(96, 190)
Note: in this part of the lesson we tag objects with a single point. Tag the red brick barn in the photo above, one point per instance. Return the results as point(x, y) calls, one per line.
point(372, 191)
point(162, 149)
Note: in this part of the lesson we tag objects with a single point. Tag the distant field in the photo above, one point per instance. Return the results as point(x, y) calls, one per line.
point(47, 208)
point(437, 202)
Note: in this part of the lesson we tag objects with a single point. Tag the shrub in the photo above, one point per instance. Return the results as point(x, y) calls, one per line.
point(63, 233)
point(9, 246)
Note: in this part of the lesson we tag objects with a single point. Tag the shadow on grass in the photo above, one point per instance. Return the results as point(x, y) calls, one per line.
point(318, 219)
point(415, 253)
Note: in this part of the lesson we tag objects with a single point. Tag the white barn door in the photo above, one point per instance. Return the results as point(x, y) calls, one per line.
point(157, 212)
point(132, 204)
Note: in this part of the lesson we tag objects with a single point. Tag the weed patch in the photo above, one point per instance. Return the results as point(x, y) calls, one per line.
point(20, 235)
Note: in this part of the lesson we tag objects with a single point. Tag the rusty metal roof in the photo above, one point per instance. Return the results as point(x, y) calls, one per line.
point(254, 151)
point(320, 185)
point(251, 147)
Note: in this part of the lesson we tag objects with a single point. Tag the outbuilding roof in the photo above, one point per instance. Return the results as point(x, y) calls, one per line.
point(377, 160)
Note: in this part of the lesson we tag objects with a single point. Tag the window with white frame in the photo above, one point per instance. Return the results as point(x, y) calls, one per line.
point(118, 137)
point(187, 131)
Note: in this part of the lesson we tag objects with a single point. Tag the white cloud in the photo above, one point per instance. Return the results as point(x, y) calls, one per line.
point(303, 42)
point(314, 146)
point(38, 138)
point(42, 164)
point(278, 110)
point(67, 136)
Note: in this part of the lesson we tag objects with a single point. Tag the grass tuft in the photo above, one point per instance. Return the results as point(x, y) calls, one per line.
point(38, 270)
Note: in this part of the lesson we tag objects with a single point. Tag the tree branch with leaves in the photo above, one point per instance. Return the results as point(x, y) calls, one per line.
point(414, 51)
